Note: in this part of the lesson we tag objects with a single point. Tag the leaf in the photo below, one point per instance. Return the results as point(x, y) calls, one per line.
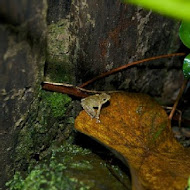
point(186, 66)
point(136, 127)
point(184, 33)
point(173, 8)
point(188, 188)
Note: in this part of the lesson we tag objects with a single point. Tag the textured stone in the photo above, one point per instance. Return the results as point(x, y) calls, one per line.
point(22, 43)
point(109, 34)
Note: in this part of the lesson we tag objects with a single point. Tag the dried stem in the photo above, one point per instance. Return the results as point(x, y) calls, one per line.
point(70, 89)
point(178, 98)
point(64, 88)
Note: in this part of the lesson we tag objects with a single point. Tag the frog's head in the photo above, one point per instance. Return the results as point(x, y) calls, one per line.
point(105, 97)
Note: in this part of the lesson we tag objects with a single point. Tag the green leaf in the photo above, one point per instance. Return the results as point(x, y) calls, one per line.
point(186, 66)
point(188, 188)
point(179, 9)
point(184, 33)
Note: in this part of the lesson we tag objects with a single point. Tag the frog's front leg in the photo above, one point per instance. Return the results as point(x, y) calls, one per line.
point(89, 110)
point(98, 113)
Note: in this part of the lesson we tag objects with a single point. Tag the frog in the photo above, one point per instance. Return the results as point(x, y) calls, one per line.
point(94, 101)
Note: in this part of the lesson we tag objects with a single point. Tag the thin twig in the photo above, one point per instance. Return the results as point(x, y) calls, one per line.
point(178, 98)
point(128, 65)
point(178, 118)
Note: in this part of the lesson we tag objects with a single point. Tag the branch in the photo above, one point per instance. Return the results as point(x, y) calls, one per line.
point(64, 88)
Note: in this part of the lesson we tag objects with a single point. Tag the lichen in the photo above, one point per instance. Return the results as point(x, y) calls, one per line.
point(58, 40)
point(59, 67)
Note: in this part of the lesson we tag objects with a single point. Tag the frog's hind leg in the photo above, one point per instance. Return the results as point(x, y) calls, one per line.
point(89, 110)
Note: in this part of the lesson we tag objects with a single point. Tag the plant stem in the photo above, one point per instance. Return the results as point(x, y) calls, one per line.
point(178, 98)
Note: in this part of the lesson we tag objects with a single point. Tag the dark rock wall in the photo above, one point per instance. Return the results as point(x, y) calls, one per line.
point(102, 35)
point(58, 10)
point(109, 34)
point(22, 45)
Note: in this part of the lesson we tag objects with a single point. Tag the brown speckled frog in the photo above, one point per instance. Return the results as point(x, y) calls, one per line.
point(94, 101)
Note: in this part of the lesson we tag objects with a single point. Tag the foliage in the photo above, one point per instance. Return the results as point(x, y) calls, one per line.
point(188, 187)
point(174, 8)
point(186, 67)
point(184, 34)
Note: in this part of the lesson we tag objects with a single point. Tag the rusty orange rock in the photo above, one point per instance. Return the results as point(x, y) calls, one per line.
point(138, 129)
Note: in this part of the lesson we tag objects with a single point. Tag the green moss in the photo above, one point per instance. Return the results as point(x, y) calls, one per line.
point(52, 174)
point(68, 167)
point(45, 177)
point(57, 102)
point(46, 120)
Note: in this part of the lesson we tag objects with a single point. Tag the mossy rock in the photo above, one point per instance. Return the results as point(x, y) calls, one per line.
point(70, 167)
point(47, 119)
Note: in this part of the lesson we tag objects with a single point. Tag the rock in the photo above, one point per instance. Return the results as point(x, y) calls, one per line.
point(22, 57)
